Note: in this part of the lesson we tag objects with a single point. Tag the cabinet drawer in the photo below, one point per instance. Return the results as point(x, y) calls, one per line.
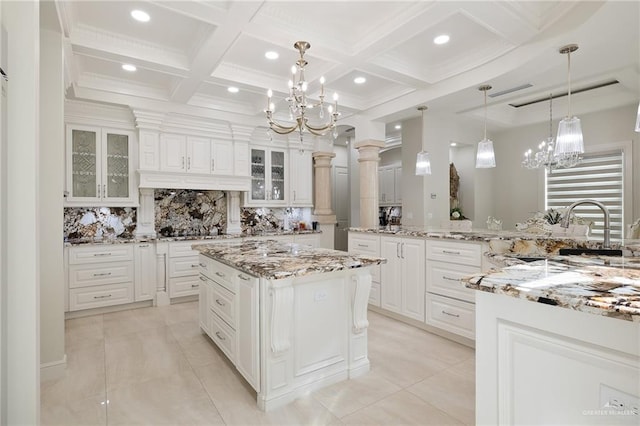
point(374, 294)
point(223, 336)
point(183, 248)
point(364, 244)
point(444, 279)
point(184, 286)
point(451, 315)
point(222, 303)
point(93, 274)
point(183, 267)
point(455, 252)
point(217, 272)
point(100, 253)
point(95, 297)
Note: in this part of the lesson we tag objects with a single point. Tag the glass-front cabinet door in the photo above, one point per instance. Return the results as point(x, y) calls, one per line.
point(277, 189)
point(258, 176)
point(268, 177)
point(99, 164)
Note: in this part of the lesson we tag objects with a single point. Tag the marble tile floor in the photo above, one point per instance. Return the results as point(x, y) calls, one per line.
point(153, 366)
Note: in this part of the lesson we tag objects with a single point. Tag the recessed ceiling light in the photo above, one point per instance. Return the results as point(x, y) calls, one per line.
point(140, 15)
point(453, 144)
point(441, 39)
point(129, 67)
point(271, 55)
point(232, 89)
point(398, 127)
point(359, 80)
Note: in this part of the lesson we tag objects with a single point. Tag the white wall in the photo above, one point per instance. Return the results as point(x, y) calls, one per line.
point(52, 354)
point(342, 155)
point(412, 185)
point(391, 157)
point(22, 257)
point(519, 192)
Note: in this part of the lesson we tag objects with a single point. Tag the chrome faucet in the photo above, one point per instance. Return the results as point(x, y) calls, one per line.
point(607, 228)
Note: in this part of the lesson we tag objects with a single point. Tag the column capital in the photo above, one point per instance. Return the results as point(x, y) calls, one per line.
point(369, 149)
point(369, 143)
point(148, 120)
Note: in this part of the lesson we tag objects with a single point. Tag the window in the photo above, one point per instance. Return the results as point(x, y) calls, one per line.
point(600, 176)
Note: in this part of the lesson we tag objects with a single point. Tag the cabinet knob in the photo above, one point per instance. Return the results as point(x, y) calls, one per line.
point(219, 302)
point(219, 336)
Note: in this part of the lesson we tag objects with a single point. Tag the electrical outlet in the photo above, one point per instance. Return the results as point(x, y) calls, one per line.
point(616, 400)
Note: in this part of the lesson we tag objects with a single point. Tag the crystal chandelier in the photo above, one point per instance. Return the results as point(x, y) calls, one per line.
point(545, 156)
point(485, 157)
point(299, 103)
point(569, 144)
point(423, 159)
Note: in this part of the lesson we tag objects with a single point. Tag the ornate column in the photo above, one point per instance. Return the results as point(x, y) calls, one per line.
point(322, 212)
point(369, 158)
point(233, 212)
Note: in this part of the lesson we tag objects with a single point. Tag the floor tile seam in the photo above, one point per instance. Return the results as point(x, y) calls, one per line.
point(117, 337)
point(436, 407)
point(365, 406)
point(457, 371)
point(104, 360)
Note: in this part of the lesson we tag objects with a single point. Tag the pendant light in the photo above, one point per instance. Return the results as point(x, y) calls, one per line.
point(423, 160)
point(485, 157)
point(569, 140)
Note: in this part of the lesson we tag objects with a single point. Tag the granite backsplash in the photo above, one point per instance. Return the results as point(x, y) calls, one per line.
point(181, 212)
point(99, 222)
point(262, 219)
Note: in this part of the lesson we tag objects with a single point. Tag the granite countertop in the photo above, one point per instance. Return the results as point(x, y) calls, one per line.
point(275, 260)
point(600, 285)
point(83, 241)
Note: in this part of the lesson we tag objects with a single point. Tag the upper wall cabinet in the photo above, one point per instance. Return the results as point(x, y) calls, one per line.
point(269, 177)
point(390, 185)
point(301, 178)
point(99, 164)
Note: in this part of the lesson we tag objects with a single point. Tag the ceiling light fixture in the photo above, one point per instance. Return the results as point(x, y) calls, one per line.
point(359, 80)
point(129, 67)
point(441, 39)
point(271, 55)
point(453, 144)
point(398, 127)
point(299, 103)
point(638, 120)
point(544, 156)
point(423, 159)
point(140, 15)
point(232, 89)
point(569, 144)
point(485, 157)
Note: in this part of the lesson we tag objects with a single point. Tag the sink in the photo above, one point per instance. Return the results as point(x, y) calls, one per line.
point(592, 252)
point(529, 259)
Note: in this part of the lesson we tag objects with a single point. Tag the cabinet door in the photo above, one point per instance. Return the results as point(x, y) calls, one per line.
point(247, 329)
point(301, 179)
point(397, 184)
point(386, 182)
point(145, 272)
point(412, 253)
point(222, 158)
point(391, 274)
point(83, 164)
point(198, 155)
point(278, 176)
point(173, 153)
point(258, 175)
point(203, 303)
point(116, 165)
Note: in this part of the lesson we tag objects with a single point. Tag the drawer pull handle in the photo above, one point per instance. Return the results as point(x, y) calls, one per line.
point(103, 274)
point(203, 265)
point(202, 278)
point(220, 336)
point(220, 303)
point(220, 274)
point(195, 285)
point(450, 314)
point(363, 245)
point(242, 277)
point(143, 245)
point(451, 252)
point(444, 277)
point(102, 254)
point(195, 265)
point(102, 297)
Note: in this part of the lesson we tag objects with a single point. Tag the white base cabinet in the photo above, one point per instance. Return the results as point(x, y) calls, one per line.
point(368, 244)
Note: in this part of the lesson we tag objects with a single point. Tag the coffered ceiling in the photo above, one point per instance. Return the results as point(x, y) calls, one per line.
point(190, 52)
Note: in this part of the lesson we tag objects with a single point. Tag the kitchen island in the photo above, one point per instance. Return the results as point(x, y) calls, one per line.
point(558, 341)
point(291, 318)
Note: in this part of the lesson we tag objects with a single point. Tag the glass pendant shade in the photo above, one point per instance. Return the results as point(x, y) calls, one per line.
point(638, 120)
point(485, 157)
point(569, 139)
point(423, 164)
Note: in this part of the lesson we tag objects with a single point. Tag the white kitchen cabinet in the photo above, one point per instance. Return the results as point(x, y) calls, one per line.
point(100, 275)
point(247, 329)
point(145, 271)
point(449, 304)
point(182, 269)
point(402, 278)
point(301, 178)
point(222, 158)
point(99, 164)
point(368, 244)
point(390, 185)
point(269, 177)
point(198, 155)
point(312, 240)
point(185, 154)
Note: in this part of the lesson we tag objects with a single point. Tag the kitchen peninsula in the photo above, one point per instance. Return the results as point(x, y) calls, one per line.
point(558, 341)
point(291, 318)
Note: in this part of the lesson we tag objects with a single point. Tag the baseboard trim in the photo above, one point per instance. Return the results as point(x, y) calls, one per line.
point(53, 370)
